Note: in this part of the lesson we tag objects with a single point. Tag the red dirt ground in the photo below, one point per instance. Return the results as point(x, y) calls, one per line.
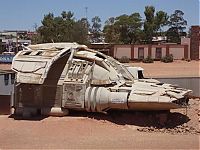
point(96, 131)
point(176, 69)
point(99, 131)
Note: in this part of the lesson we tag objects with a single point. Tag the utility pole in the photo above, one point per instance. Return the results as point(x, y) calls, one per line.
point(86, 11)
point(16, 42)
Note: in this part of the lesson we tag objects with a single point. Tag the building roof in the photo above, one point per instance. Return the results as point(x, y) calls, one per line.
point(2, 72)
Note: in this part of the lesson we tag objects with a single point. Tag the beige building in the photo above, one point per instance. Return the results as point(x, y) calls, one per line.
point(188, 49)
point(155, 51)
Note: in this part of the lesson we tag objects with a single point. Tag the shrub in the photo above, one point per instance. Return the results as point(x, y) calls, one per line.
point(183, 59)
point(188, 60)
point(167, 59)
point(148, 60)
point(124, 59)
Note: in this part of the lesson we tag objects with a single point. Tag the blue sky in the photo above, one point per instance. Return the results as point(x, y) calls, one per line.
point(23, 14)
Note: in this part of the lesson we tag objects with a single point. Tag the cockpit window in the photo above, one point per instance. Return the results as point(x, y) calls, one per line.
point(100, 56)
point(27, 53)
point(39, 53)
point(140, 74)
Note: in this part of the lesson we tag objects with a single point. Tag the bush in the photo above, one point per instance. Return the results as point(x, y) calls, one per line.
point(167, 59)
point(186, 59)
point(148, 60)
point(124, 59)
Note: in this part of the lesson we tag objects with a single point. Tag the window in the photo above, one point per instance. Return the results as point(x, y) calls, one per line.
point(6, 79)
point(39, 53)
point(12, 78)
point(140, 53)
point(27, 53)
point(158, 53)
point(140, 75)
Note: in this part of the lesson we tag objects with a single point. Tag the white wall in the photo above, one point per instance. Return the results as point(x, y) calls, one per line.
point(119, 52)
point(145, 52)
point(186, 41)
point(153, 52)
point(5, 89)
point(163, 52)
point(178, 53)
point(135, 52)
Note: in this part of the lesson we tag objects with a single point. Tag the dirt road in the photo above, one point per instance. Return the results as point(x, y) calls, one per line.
point(178, 68)
point(73, 132)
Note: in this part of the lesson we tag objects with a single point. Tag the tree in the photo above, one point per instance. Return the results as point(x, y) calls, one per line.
point(153, 23)
point(47, 28)
point(129, 28)
point(161, 20)
point(36, 37)
point(177, 26)
point(63, 28)
point(96, 29)
point(111, 36)
point(80, 32)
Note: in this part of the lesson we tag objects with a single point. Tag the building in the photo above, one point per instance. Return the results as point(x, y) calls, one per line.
point(7, 79)
point(135, 52)
point(11, 40)
point(138, 52)
point(195, 43)
point(6, 87)
point(188, 49)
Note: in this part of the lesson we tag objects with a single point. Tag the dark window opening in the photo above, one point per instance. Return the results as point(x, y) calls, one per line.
point(158, 53)
point(140, 75)
point(6, 79)
point(100, 56)
point(27, 53)
point(39, 53)
point(12, 78)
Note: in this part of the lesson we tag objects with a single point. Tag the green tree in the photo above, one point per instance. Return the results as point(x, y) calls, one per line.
point(36, 38)
point(109, 30)
point(96, 29)
point(153, 23)
point(80, 32)
point(47, 29)
point(63, 28)
point(177, 25)
point(129, 28)
point(161, 20)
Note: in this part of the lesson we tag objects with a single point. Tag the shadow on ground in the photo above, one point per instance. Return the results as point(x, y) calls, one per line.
point(35, 118)
point(142, 119)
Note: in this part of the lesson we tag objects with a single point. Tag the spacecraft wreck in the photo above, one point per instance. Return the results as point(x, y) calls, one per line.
point(53, 78)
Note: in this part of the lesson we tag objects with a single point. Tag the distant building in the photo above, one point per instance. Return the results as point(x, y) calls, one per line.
point(188, 49)
point(139, 52)
point(6, 87)
point(7, 79)
point(195, 43)
point(11, 40)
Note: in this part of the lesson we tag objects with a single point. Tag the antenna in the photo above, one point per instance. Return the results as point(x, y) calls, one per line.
point(86, 11)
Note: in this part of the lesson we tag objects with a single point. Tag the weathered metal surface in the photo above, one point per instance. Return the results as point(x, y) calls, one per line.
point(56, 77)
